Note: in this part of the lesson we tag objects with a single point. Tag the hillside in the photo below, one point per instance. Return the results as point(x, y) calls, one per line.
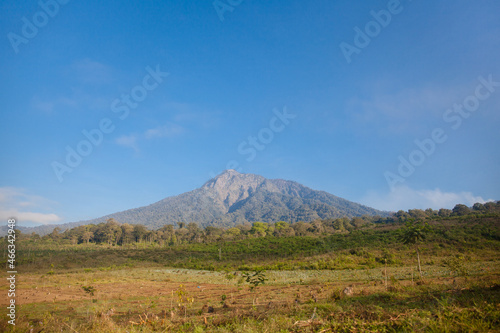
point(234, 198)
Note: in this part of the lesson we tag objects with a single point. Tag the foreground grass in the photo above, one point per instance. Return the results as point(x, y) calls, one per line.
point(146, 300)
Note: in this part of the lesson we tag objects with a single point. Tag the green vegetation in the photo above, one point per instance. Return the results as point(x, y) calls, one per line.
point(89, 289)
point(338, 275)
point(113, 233)
point(255, 279)
point(319, 245)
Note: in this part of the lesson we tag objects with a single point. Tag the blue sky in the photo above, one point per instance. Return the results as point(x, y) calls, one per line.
point(332, 94)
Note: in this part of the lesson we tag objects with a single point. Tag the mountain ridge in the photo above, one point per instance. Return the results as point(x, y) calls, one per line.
point(233, 198)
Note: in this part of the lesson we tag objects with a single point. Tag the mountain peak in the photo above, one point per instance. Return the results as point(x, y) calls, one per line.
point(231, 171)
point(233, 198)
point(230, 176)
point(231, 186)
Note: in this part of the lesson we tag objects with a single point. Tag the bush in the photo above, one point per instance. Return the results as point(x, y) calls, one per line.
point(456, 265)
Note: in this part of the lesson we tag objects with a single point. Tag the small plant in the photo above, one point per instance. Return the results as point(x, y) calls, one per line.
point(223, 299)
point(255, 279)
point(229, 276)
point(394, 281)
point(412, 234)
point(89, 290)
point(456, 265)
point(182, 299)
point(240, 281)
point(335, 295)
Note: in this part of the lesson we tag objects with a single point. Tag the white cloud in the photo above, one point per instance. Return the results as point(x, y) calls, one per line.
point(129, 141)
point(193, 115)
point(25, 207)
point(24, 217)
point(400, 111)
point(404, 198)
point(168, 130)
point(92, 72)
point(50, 105)
point(81, 73)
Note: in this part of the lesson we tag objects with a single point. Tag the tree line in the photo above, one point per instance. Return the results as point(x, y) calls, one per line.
point(114, 233)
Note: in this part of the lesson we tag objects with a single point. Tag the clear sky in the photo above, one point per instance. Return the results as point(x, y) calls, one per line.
point(394, 104)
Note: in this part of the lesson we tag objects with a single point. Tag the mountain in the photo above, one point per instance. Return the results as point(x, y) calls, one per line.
point(233, 198)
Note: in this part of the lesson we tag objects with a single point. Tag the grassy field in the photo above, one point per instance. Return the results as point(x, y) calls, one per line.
point(361, 282)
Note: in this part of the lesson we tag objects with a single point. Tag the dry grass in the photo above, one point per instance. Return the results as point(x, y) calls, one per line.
point(145, 299)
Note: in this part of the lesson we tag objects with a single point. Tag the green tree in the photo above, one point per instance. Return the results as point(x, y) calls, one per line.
point(413, 233)
point(139, 232)
point(443, 212)
point(259, 229)
point(173, 240)
point(55, 234)
point(280, 228)
point(108, 232)
point(194, 232)
point(461, 210)
point(127, 235)
point(318, 227)
point(115, 231)
point(357, 222)
point(401, 215)
point(212, 234)
point(417, 214)
point(431, 212)
point(340, 224)
point(301, 228)
point(35, 237)
point(490, 206)
point(232, 233)
point(478, 207)
point(87, 236)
